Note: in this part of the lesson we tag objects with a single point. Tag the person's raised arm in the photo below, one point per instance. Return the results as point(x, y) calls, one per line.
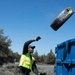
point(26, 44)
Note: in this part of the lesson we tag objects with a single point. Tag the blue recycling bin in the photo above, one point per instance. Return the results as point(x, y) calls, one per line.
point(65, 58)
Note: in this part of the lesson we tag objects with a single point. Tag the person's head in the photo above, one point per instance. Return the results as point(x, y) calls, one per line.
point(31, 49)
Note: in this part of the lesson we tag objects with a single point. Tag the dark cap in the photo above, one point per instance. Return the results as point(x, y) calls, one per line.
point(31, 46)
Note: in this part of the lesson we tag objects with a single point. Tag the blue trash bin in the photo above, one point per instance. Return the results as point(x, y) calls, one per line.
point(65, 58)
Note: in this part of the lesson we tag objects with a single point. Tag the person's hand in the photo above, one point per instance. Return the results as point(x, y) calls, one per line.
point(42, 73)
point(37, 38)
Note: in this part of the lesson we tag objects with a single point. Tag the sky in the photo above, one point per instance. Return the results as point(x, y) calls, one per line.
point(23, 20)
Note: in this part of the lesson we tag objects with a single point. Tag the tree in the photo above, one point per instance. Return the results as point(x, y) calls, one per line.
point(5, 43)
point(36, 56)
point(6, 54)
point(42, 58)
point(16, 56)
point(50, 59)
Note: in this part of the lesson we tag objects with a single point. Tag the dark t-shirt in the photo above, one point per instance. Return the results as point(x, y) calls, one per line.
point(25, 47)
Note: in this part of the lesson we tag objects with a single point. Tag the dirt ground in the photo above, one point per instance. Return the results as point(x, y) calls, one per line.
point(49, 69)
point(11, 69)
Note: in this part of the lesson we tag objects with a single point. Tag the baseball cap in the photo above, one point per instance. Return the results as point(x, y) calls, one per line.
point(30, 46)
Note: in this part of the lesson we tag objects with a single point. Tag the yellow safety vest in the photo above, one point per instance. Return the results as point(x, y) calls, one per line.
point(26, 61)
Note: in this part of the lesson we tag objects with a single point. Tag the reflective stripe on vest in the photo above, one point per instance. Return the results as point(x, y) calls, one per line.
point(26, 61)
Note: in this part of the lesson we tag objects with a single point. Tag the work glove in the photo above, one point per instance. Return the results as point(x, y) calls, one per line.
point(38, 38)
point(42, 73)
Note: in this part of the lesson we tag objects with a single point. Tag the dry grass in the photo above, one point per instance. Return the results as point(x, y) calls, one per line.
point(11, 69)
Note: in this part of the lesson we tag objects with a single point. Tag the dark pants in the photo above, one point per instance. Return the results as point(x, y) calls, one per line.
point(23, 71)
